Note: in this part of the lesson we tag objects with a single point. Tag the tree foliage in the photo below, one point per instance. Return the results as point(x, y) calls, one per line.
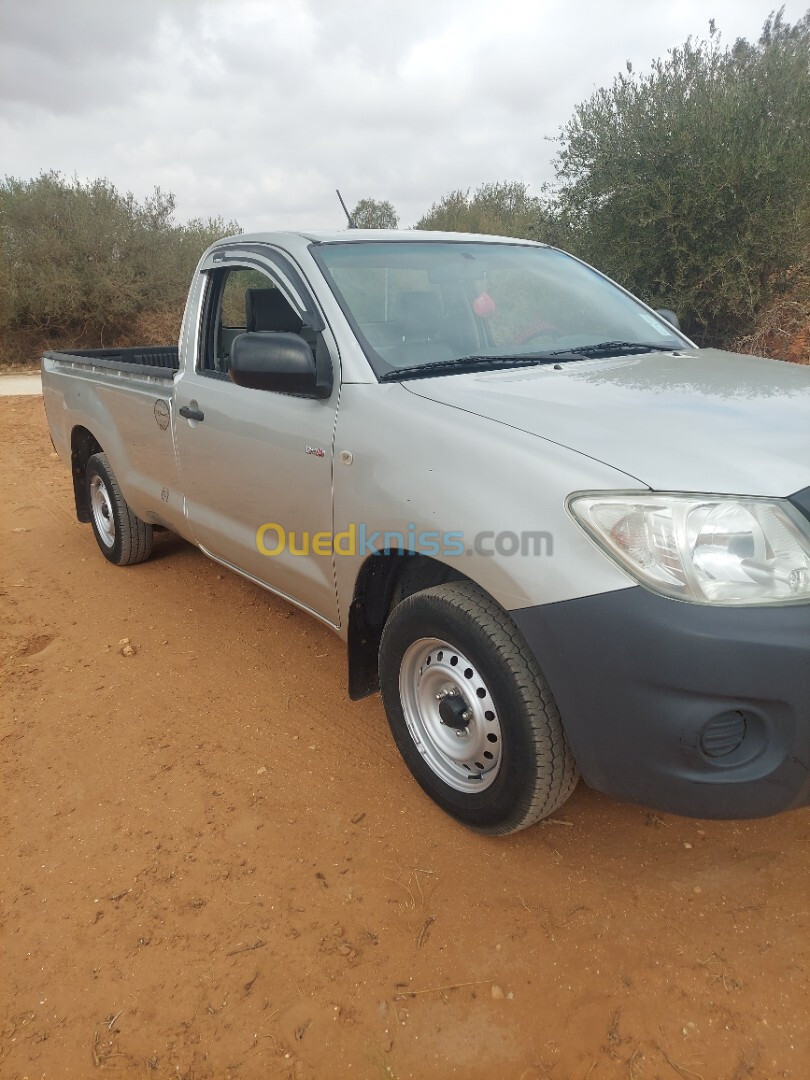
point(691, 184)
point(81, 259)
point(375, 214)
point(503, 209)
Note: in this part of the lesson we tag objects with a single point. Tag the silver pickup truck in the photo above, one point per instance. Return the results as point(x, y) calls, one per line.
point(558, 537)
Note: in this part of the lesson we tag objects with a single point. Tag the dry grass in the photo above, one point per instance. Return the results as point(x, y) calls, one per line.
point(783, 329)
point(20, 350)
point(151, 328)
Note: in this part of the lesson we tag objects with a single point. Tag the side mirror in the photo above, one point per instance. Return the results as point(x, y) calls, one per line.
point(670, 316)
point(265, 360)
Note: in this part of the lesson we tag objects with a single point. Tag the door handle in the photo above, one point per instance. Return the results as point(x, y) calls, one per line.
point(191, 414)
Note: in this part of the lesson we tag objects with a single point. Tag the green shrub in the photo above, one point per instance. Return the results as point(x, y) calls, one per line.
point(81, 261)
point(503, 209)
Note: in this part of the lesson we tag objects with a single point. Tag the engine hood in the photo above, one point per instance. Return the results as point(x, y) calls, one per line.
point(707, 420)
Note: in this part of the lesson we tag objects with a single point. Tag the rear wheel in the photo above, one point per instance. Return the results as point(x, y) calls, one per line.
point(471, 712)
point(121, 535)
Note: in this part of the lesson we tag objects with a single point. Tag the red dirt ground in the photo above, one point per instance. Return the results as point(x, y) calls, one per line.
point(215, 865)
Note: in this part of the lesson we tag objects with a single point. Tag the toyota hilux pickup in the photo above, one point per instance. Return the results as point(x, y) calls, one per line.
point(559, 538)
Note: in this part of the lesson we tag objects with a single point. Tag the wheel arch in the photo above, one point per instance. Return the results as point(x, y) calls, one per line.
point(385, 579)
point(83, 444)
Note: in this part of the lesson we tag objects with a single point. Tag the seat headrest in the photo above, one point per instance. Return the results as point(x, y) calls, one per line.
point(420, 312)
point(268, 309)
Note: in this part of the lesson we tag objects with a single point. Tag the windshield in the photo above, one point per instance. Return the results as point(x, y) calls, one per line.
point(416, 303)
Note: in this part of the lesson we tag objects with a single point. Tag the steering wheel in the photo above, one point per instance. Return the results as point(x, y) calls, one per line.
point(529, 331)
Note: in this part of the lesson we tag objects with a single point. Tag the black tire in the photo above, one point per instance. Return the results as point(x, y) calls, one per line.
point(534, 772)
point(121, 535)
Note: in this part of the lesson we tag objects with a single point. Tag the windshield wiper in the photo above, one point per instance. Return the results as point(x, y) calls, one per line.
point(483, 362)
point(463, 364)
point(613, 348)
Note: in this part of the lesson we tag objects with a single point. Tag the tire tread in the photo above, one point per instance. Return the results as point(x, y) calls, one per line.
point(134, 535)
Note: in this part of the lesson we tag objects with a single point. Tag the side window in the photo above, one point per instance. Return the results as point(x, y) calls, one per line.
point(240, 299)
point(237, 282)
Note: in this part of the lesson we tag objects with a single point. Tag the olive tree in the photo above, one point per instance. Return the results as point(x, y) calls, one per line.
point(375, 214)
point(691, 184)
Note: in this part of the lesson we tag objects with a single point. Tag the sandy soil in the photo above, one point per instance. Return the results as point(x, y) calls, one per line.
point(215, 865)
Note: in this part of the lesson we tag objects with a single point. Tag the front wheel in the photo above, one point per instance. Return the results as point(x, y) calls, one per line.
point(121, 535)
point(471, 712)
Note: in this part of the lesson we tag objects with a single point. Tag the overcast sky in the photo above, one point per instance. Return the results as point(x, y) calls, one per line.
point(257, 109)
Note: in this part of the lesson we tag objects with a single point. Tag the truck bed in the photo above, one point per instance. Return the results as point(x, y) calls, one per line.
point(161, 361)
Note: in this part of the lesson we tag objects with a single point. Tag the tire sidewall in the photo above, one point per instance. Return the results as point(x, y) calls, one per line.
point(507, 798)
point(97, 466)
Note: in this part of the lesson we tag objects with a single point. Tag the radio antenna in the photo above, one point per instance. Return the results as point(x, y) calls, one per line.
point(345, 211)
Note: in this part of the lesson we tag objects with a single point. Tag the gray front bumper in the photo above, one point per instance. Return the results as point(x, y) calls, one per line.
point(649, 688)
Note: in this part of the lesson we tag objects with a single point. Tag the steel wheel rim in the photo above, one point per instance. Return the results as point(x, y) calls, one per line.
point(101, 507)
point(467, 759)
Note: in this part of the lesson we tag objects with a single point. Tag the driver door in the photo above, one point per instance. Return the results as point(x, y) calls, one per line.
point(255, 458)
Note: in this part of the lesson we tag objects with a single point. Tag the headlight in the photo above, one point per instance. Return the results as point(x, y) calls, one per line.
point(708, 549)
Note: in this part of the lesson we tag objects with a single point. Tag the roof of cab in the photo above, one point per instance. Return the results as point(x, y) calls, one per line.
point(349, 236)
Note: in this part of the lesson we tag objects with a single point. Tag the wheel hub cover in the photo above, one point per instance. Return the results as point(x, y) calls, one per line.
point(450, 714)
